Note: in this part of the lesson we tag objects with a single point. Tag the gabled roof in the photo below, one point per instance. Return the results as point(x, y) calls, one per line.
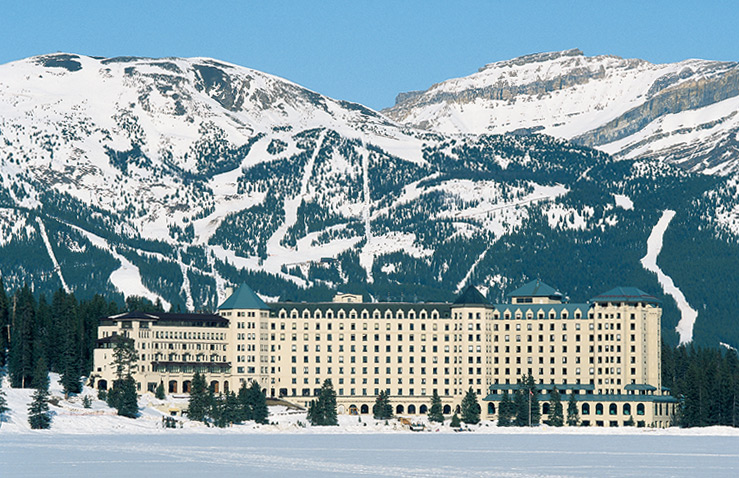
point(471, 296)
point(535, 288)
point(626, 294)
point(244, 298)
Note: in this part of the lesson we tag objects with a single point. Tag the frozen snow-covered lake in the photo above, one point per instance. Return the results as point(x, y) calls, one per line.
point(370, 455)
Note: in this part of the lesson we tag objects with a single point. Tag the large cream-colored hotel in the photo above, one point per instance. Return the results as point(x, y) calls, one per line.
point(606, 351)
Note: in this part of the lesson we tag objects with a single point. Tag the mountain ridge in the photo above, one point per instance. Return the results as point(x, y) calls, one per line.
point(174, 178)
point(633, 108)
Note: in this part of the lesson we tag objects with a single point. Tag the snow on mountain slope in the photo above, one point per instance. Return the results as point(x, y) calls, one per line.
point(181, 167)
point(683, 112)
point(174, 178)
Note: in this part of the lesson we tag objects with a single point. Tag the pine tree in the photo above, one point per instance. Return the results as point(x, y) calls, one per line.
point(199, 403)
point(159, 392)
point(39, 416)
point(123, 395)
point(3, 401)
point(245, 405)
point(521, 407)
point(126, 398)
point(23, 322)
point(258, 400)
point(505, 410)
point(455, 421)
point(124, 357)
point(4, 324)
point(573, 417)
point(231, 408)
point(322, 410)
point(556, 415)
point(328, 397)
point(435, 411)
point(470, 408)
point(382, 410)
point(68, 328)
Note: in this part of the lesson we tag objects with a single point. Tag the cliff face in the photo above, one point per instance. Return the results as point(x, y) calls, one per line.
point(682, 112)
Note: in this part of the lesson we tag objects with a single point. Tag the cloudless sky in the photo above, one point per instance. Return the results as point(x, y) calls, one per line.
point(369, 51)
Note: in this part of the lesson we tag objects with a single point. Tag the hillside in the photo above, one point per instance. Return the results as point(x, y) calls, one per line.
point(173, 178)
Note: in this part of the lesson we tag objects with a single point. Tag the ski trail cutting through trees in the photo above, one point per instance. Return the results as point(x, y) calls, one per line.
point(649, 262)
point(274, 244)
point(57, 267)
point(367, 206)
point(127, 278)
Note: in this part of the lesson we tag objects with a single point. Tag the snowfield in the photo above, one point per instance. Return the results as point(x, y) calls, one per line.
point(96, 442)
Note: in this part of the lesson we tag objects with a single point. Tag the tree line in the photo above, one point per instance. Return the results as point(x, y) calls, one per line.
point(706, 383)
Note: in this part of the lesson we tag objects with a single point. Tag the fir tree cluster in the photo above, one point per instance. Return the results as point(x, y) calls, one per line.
point(706, 384)
point(62, 333)
point(226, 409)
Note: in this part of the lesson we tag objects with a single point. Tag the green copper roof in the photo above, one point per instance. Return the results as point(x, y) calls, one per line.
point(626, 294)
point(471, 296)
point(535, 288)
point(244, 298)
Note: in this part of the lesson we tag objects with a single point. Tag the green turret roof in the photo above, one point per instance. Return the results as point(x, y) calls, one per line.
point(471, 296)
point(244, 298)
point(535, 288)
point(626, 294)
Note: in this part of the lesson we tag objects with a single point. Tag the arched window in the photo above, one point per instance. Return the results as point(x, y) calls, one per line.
point(586, 409)
point(545, 408)
point(613, 409)
point(491, 408)
point(364, 409)
point(640, 409)
point(412, 409)
point(627, 409)
point(447, 410)
point(423, 409)
point(599, 409)
point(399, 409)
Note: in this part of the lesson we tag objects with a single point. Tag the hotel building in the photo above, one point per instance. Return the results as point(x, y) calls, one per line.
point(605, 351)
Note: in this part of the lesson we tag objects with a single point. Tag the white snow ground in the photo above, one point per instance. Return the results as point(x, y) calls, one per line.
point(96, 442)
point(649, 262)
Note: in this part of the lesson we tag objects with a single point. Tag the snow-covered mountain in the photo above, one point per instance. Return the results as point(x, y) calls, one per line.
point(174, 178)
point(682, 112)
